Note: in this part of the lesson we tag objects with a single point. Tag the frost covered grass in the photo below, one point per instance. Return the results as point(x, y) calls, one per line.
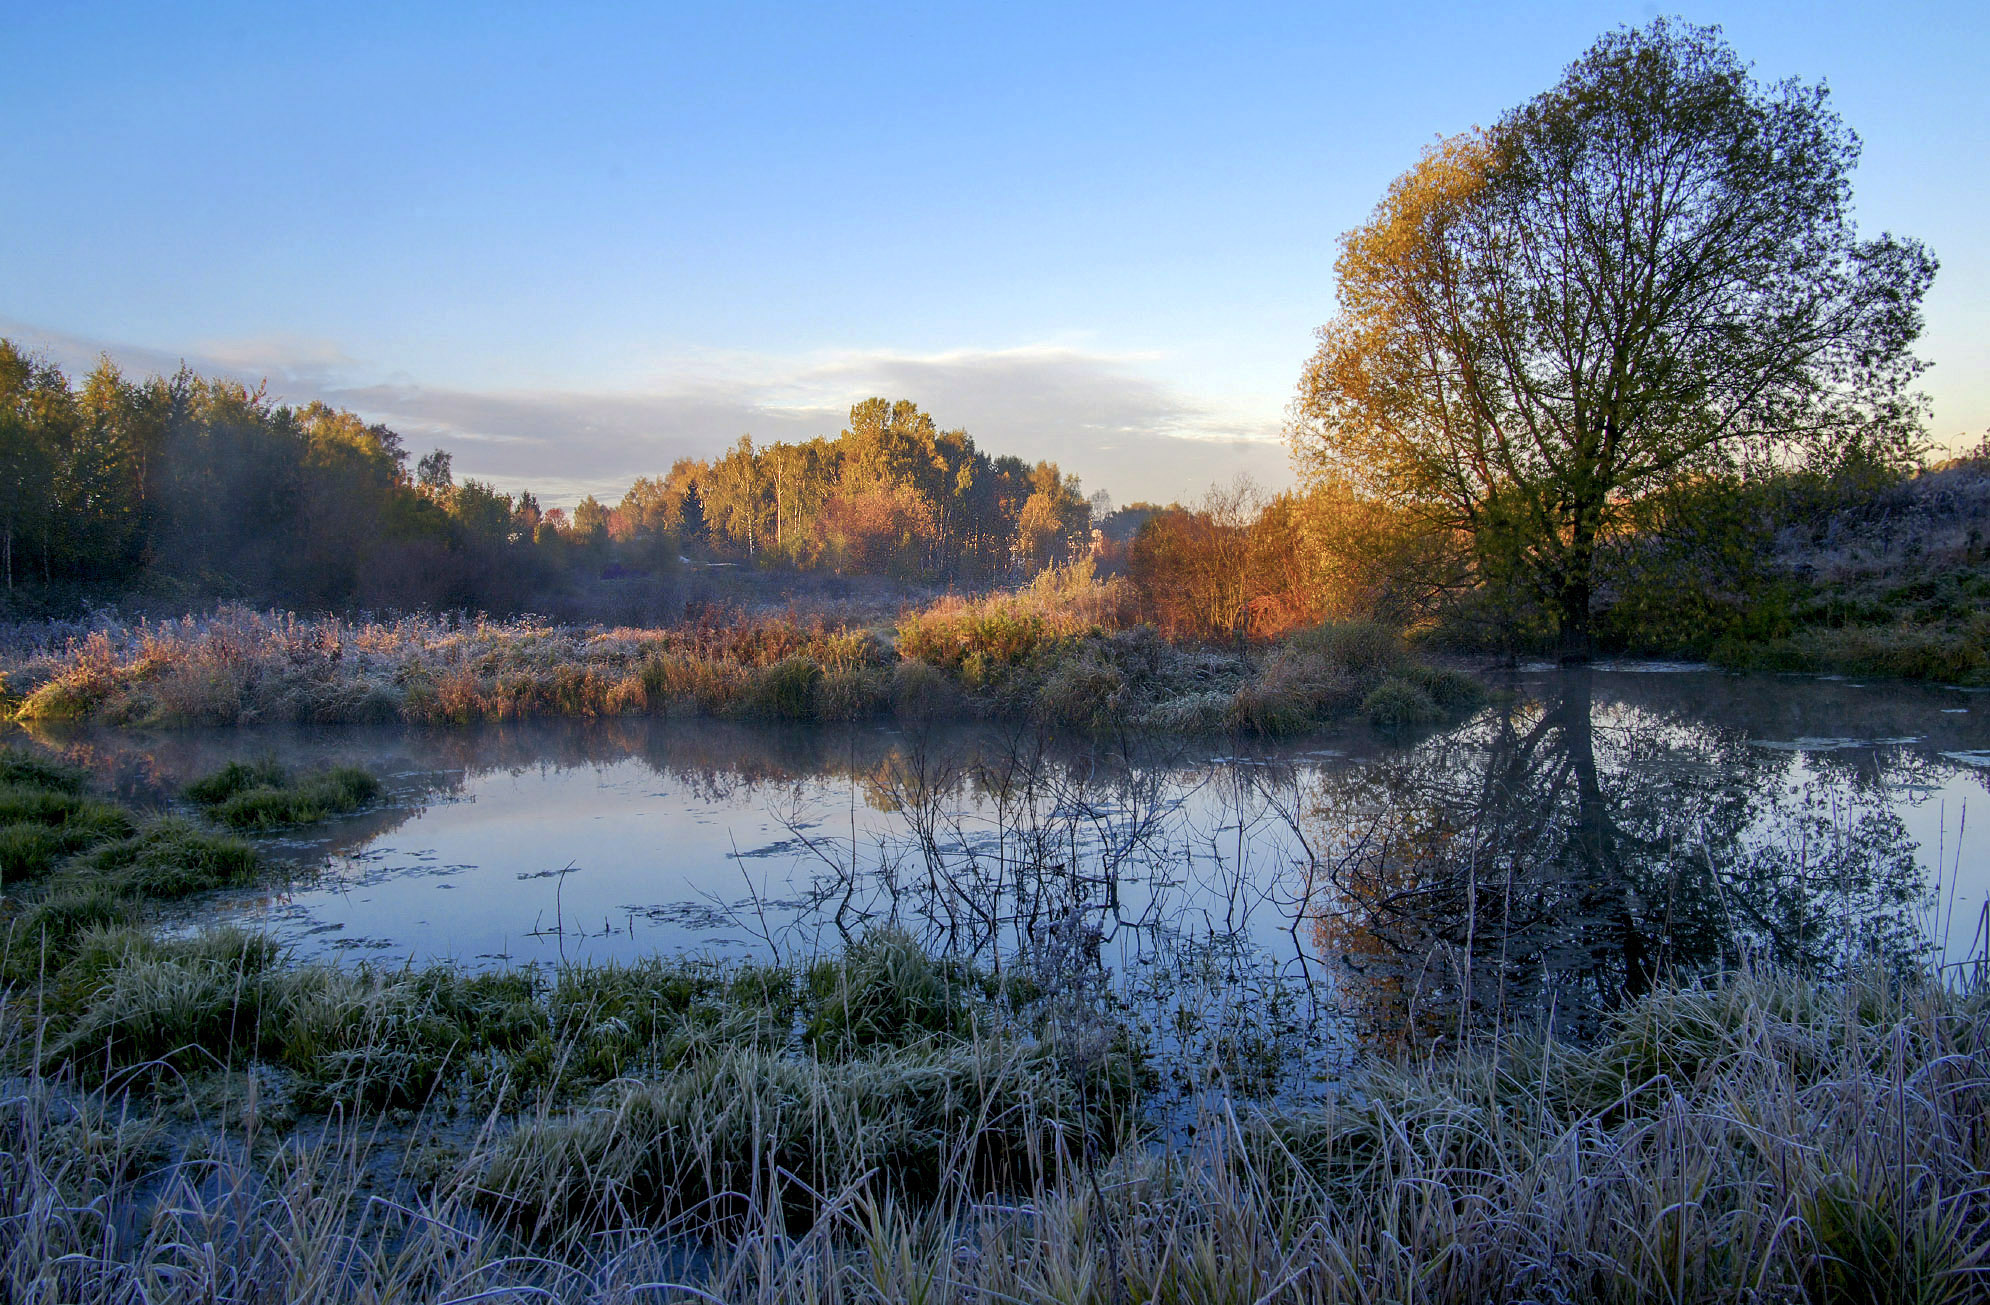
point(1065, 650)
point(362, 1136)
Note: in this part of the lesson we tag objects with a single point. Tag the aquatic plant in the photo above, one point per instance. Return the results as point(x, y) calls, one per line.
point(263, 796)
point(236, 777)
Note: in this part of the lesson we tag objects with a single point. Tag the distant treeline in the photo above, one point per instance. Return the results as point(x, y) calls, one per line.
point(191, 487)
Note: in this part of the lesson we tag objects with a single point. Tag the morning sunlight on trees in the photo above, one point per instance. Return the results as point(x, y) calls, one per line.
point(711, 835)
point(1646, 274)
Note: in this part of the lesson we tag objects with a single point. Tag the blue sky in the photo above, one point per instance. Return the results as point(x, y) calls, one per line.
point(575, 242)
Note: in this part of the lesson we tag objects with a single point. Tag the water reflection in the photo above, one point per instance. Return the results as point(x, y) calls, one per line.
point(1253, 907)
point(1562, 854)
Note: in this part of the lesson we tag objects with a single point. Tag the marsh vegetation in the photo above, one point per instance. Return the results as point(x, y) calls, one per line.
point(1066, 651)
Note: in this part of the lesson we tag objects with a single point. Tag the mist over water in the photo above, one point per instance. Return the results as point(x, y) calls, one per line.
point(1587, 835)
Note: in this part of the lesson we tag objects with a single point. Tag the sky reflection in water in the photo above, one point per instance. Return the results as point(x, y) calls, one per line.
point(1569, 845)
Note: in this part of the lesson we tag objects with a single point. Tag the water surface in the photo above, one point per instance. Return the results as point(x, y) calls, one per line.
point(1587, 834)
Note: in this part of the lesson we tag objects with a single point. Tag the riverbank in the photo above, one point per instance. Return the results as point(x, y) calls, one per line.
point(1888, 580)
point(1065, 651)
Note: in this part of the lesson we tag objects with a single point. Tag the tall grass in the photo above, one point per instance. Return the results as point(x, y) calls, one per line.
point(1066, 649)
point(1756, 1138)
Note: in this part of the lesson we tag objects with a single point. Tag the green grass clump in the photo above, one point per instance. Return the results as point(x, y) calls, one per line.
point(188, 1003)
point(1398, 703)
point(1082, 687)
point(1293, 690)
point(236, 777)
point(850, 693)
point(652, 1016)
point(27, 852)
point(263, 796)
point(40, 828)
point(389, 1038)
point(1357, 647)
point(787, 690)
point(885, 990)
point(171, 858)
point(81, 817)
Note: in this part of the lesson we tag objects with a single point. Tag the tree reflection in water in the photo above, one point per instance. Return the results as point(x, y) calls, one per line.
point(1252, 910)
point(1556, 857)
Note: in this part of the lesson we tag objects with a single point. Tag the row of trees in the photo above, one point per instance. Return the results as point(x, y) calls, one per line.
point(202, 487)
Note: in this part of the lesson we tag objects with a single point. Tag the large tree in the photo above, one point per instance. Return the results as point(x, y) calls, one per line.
point(1646, 273)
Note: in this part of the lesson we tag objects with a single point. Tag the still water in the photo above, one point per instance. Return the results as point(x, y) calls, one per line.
point(1588, 833)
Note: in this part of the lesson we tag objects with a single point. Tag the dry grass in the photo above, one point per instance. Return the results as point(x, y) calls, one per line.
point(1064, 650)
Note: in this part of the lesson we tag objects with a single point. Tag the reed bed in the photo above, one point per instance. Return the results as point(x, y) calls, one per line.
point(1065, 650)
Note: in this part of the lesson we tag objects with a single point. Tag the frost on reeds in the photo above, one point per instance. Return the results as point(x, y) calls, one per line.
point(1065, 649)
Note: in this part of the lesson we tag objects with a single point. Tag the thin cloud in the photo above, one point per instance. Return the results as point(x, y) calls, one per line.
point(1103, 417)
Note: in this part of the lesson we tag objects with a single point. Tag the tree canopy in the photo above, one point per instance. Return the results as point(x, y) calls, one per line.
point(191, 485)
point(1646, 273)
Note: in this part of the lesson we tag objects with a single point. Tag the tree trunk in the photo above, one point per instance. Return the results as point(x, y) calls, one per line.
point(1576, 645)
point(1575, 595)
